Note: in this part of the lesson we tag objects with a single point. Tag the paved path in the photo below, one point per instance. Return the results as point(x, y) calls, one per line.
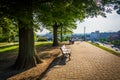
point(87, 63)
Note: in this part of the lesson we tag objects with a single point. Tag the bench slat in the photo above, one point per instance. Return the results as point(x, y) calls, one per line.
point(65, 50)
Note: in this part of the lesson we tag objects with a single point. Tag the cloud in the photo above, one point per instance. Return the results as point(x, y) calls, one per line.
point(111, 23)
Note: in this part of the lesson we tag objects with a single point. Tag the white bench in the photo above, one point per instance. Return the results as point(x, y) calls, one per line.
point(66, 51)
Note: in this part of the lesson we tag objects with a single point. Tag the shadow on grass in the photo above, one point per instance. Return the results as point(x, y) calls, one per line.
point(8, 58)
point(59, 61)
point(7, 69)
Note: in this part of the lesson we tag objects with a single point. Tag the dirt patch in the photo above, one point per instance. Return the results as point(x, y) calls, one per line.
point(34, 72)
point(47, 54)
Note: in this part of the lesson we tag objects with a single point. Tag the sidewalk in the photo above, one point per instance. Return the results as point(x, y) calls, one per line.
point(87, 63)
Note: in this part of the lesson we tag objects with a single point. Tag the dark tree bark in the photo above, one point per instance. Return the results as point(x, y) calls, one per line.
point(55, 39)
point(27, 57)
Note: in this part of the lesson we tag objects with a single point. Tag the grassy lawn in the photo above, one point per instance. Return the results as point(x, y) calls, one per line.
point(106, 49)
point(3, 43)
point(8, 48)
point(4, 47)
point(43, 44)
point(9, 53)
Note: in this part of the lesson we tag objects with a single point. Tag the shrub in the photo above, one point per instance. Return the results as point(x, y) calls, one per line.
point(42, 39)
point(3, 38)
point(66, 38)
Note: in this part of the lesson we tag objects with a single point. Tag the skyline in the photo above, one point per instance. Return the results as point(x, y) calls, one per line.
point(109, 24)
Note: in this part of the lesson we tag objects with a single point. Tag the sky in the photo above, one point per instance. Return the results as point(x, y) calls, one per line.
point(109, 24)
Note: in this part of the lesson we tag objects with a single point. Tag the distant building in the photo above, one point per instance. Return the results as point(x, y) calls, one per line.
point(115, 36)
point(94, 36)
point(107, 34)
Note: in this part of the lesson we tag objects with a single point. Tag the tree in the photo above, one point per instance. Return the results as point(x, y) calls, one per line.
point(27, 56)
point(23, 15)
point(50, 13)
point(9, 29)
point(58, 12)
point(66, 28)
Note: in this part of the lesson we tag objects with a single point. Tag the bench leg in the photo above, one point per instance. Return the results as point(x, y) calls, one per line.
point(63, 56)
point(69, 56)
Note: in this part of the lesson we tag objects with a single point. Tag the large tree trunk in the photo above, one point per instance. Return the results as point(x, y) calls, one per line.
point(55, 39)
point(27, 57)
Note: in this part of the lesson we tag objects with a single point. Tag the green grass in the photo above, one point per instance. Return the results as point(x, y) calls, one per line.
point(41, 44)
point(3, 43)
point(7, 44)
point(104, 48)
point(8, 48)
point(15, 47)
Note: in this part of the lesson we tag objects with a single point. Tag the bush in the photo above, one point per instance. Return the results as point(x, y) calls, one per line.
point(42, 39)
point(97, 44)
point(116, 42)
point(3, 38)
point(66, 38)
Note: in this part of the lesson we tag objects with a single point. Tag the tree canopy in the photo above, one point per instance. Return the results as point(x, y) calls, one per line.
point(8, 29)
point(50, 13)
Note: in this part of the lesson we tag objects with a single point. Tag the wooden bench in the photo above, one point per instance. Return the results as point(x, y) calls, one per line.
point(65, 51)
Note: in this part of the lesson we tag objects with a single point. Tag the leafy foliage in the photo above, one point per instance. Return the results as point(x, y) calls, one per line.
point(42, 39)
point(49, 13)
point(8, 29)
point(116, 42)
